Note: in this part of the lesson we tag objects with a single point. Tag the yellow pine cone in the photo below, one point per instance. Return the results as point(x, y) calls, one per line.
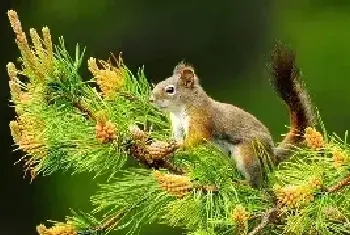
point(17, 95)
point(294, 196)
point(176, 185)
point(240, 216)
point(58, 229)
point(315, 182)
point(49, 49)
point(26, 132)
point(340, 158)
point(314, 139)
point(109, 78)
point(105, 131)
point(12, 71)
point(37, 60)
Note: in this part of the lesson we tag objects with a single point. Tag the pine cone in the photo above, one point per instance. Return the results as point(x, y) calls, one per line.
point(315, 182)
point(176, 185)
point(158, 150)
point(137, 151)
point(105, 131)
point(294, 196)
point(314, 139)
point(240, 216)
point(109, 78)
point(340, 158)
point(57, 229)
point(154, 154)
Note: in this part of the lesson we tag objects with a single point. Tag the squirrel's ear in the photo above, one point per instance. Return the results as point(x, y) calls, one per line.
point(187, 77)
point(178, 68)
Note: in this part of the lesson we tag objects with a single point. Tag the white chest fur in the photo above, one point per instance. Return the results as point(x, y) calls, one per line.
point(180, 124)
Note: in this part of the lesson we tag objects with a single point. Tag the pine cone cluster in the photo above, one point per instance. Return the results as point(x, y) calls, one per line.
point(105, 131)
point(314, 139)
point(38, 58)
point(151, 152)
point(294, 196)
point(26, 133)
point(176, 185)
point(240, 216)
point(57, 229)
point(109, 81)
point(315, 182)
point(109, 78)
point(340, 158)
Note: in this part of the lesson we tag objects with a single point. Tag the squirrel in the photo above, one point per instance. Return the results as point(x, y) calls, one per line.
point(195, 116)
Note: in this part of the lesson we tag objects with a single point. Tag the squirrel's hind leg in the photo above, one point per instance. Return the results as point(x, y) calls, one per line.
point(248, 163)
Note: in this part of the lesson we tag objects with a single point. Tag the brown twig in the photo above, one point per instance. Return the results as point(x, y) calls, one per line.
point(107, 225)
point(152, 153)
point(83, 110)
point(172, 168)
point(266, 219)
point(341, 184)
point(110, 222)
point(140, 152)
point(159, 164)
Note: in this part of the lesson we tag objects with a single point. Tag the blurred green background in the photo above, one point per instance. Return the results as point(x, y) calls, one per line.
point(228, 43)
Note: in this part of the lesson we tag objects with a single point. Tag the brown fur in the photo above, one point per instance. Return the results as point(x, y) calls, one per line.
point(200, 126)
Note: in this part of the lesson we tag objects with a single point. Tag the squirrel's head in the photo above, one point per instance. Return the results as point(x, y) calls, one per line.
point(177, 91)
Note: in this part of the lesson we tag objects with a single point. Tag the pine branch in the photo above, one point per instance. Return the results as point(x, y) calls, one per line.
point(83, 110)
point(267, 218)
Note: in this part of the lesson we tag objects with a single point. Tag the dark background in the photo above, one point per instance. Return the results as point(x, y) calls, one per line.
point(228, 43)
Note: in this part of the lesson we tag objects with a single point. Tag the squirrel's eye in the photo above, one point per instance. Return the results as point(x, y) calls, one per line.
point(170, 90)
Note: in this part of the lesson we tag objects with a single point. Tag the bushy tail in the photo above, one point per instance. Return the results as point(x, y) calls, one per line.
point(286, 80)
